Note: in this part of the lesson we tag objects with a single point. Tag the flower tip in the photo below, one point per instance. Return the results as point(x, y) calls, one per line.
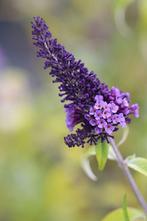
point(135, 110)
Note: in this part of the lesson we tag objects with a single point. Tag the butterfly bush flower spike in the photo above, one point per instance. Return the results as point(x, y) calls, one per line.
point(98, 110)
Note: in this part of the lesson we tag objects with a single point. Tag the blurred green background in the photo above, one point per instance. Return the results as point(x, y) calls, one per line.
point(40, 178)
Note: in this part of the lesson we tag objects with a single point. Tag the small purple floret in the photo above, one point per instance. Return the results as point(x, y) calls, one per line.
point(135, 110)
point(98, 110)
point(73, 117)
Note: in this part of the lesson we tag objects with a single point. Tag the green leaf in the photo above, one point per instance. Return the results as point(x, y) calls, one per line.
point(102, 154)
point(137, 163)
point(111, 154)
point(125, 209)
point(118, 215)
point(125, 133)
point(86, 164)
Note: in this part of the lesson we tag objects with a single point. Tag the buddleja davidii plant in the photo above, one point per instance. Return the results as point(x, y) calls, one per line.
point(98, 110)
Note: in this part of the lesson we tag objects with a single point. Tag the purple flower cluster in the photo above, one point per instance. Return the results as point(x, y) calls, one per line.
point(97, 109)
point(106, 115)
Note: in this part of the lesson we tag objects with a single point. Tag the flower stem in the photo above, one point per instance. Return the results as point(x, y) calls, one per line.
point(129, 176)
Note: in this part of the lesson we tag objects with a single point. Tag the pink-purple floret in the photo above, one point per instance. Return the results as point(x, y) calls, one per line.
point(106, 116)
point(98, 110)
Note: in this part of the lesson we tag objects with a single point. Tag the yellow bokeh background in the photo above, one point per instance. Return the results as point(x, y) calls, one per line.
point(40, 178)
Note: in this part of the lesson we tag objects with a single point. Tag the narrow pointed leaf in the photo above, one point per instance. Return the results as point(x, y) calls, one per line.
point(102, 154)
point(111, 154)
point(124, 136)
point(87, 168)
point(138, 164)
point(125, 208)
point(118, 215)
point(86, 164)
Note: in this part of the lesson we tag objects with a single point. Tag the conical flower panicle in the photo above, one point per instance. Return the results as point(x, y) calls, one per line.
point(97, 109)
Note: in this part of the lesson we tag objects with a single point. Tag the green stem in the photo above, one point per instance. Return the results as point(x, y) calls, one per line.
point(128, 175)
